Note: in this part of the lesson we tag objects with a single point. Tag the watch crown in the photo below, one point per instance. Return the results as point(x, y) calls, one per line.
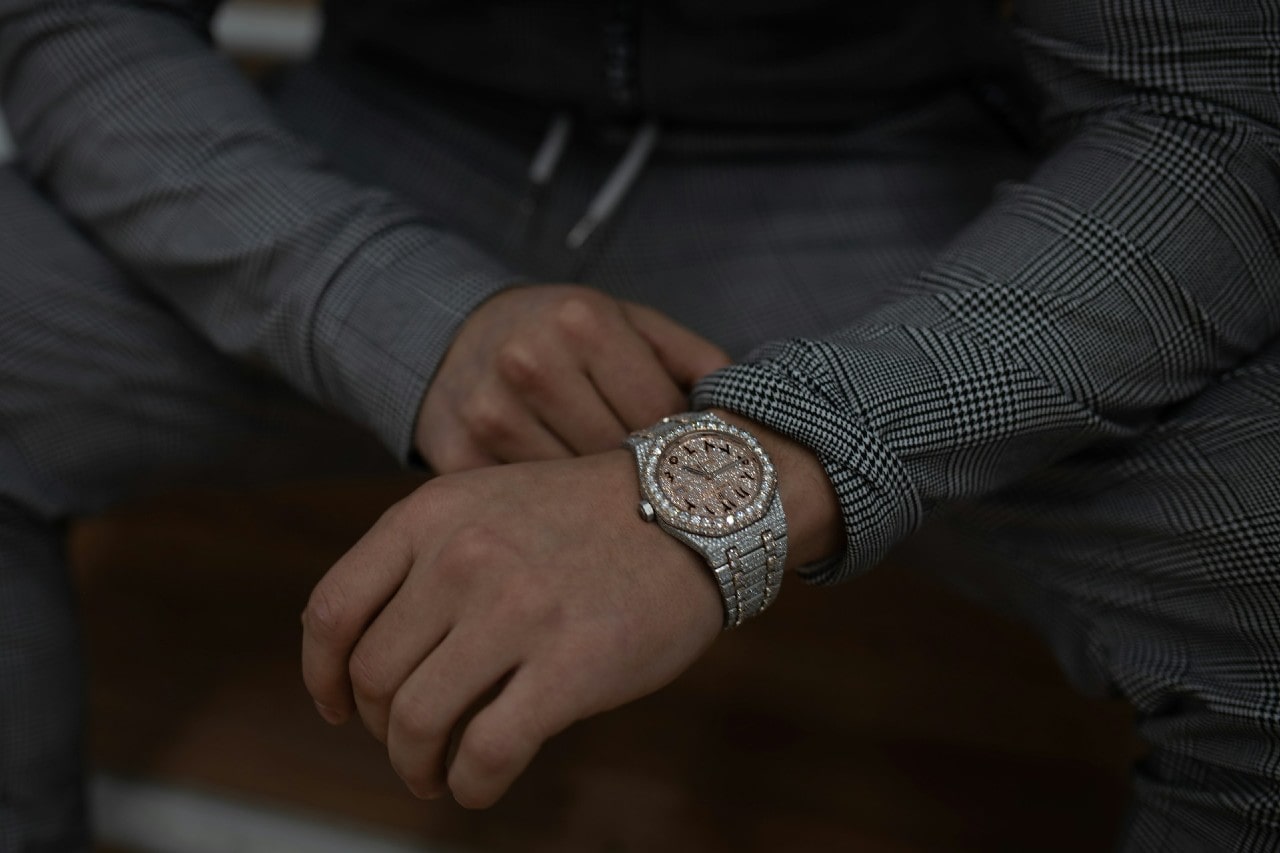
point(646, 511)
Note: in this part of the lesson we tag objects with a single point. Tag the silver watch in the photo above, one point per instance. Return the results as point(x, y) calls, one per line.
point(712, 486)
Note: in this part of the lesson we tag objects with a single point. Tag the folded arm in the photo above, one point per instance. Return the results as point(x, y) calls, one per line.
point(1134, 267)
point(168, 157)
point(1139, 262)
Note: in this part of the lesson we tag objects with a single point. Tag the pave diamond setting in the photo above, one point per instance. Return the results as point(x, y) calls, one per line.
point(709, 478)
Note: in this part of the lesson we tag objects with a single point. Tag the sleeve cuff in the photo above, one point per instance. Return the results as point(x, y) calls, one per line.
point(385, 322)
point(789, 388)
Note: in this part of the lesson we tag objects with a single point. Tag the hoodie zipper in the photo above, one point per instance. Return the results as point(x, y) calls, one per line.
point(620, 60)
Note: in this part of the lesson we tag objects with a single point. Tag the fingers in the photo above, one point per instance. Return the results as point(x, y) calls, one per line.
point(506, 615)
point(400, 638)
point(623, 368)
point(503, 737)
point(590, 336)
point(521, 603)
point(342, 605)
point(555, 386)
point(583, 420)
point(548, 371)
point(433, 699)
point(498, 424)
point(588, 375)
point(454, 450)
point(686, 355)
point(634, 383)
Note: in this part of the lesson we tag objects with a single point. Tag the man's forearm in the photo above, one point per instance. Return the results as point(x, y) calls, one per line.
point(1136, 265)
point(169, 157)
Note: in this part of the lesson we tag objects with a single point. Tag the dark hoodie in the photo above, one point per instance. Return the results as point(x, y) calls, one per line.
point(707, 62)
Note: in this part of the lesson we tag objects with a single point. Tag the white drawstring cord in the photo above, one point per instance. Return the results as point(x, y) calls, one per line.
point(616, 186)
point(545, 162)
point(612, 192)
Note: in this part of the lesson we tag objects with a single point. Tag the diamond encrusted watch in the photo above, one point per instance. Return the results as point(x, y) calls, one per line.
point(712, 486)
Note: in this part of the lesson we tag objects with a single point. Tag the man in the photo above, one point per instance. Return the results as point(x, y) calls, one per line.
point(1082, 377)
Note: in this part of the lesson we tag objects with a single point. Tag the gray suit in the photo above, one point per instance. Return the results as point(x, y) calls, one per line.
point(1081, 378)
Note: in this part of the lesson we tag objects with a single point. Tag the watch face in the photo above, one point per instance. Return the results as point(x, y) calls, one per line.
point(710, 479)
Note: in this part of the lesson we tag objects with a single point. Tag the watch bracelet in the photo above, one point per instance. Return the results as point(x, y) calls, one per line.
point(749, 579)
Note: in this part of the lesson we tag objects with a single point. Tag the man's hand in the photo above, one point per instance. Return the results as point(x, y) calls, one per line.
point(553, 371)
point(490, 609)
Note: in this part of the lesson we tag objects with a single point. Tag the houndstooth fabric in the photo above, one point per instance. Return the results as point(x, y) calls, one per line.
point(1137, 264)
point(1086, 311)
point(171, 159)
point(1080, 380)
point(1151, 567)
point(109, 393)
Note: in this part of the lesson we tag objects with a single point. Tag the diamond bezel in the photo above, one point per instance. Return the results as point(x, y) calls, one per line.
point(688, 521)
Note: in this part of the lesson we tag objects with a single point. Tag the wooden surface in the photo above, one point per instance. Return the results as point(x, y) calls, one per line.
point(885, 715)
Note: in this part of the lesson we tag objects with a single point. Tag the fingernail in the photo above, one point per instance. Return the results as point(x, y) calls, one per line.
point(330, 716)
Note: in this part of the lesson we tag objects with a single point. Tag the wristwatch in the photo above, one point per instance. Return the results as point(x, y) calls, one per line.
point(713, 487)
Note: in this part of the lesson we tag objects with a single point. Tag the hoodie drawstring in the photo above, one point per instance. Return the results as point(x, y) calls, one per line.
point(547, 158)
point(612, 192)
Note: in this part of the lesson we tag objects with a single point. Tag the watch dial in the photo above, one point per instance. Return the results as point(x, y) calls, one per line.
point(710, 474)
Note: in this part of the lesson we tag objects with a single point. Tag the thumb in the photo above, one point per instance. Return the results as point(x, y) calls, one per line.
point(686, 355)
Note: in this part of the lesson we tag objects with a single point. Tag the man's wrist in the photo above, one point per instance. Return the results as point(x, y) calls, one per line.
point(815, 530)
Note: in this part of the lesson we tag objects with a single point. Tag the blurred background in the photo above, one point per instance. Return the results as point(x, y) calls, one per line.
point(886, 715)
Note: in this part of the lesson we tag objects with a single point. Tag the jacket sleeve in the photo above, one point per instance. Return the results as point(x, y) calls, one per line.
point(1138, 263)
point(160, 149)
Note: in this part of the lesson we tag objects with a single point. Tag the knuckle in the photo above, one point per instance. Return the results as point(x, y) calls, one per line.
point(485, 419)
point(579, 317)
point(490, 752)
point(471, 547)
point(427, 500)
point(451, 458)
point(475, 542)
point(367, 678)
point(395, 516)
point(394, 527)
point(324, 612)
point(416, 721)
point(519, 365)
